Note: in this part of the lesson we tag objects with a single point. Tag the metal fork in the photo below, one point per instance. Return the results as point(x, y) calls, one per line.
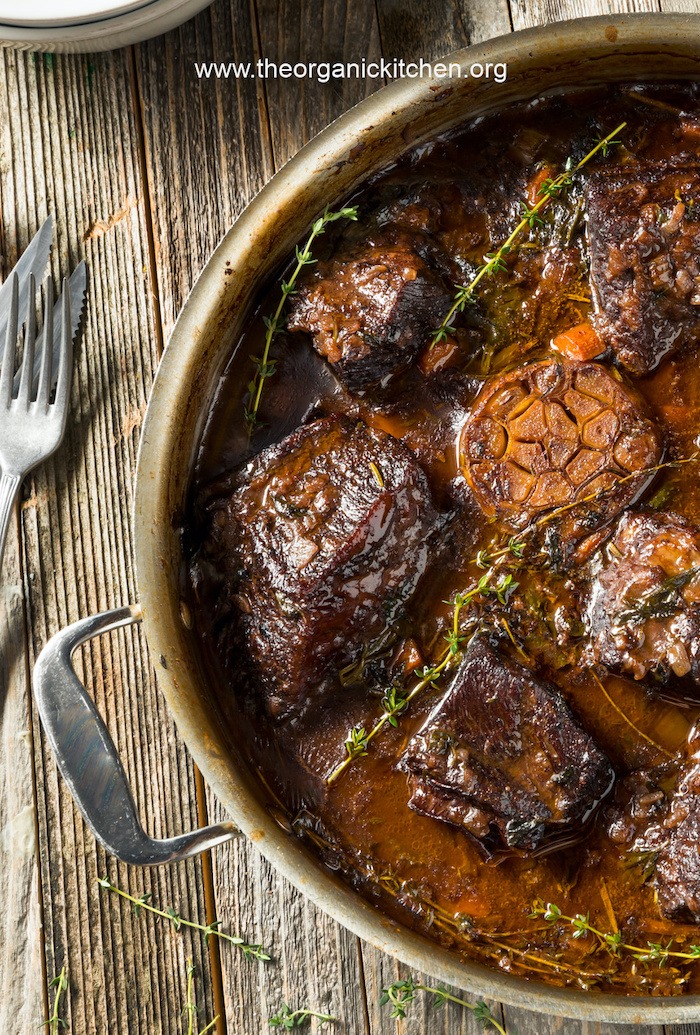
point(31, 429)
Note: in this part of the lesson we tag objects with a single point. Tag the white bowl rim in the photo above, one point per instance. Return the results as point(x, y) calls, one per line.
point(150, 18)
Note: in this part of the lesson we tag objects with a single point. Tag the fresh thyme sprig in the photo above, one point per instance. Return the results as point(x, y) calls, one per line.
point(611, 941)
point(60, 983)
point(394, 702)
point(495, 261)
point(288, 1018)
point(264, 366)
point(190, 1005)
point(402, 993)
point(515, 547)
point(208, 930)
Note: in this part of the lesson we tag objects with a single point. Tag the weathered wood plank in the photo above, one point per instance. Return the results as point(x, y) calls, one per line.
point(421, 1018)
point(21, 939)
point(73, 138)
point(526, 13)
point(313, 30)
point(315, 963)
point(431, 29)
point(207, 142)
point(682, 7)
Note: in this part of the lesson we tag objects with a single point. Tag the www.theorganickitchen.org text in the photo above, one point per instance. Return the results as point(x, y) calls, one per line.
point(325, 71)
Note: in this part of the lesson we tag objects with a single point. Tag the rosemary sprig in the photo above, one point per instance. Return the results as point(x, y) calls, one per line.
point(288, 1018)
point(611, 941)
point(393, 702)
point(402, 993)
point(264, 366)
point(60, 983)
point(208, 930)
point(495, 261)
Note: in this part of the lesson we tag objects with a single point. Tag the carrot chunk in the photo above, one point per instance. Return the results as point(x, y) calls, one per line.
point(580, 342)
point(532, 193)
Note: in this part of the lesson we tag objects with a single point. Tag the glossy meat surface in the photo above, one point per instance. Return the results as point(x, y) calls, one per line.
point(644, 245)
point(678, 860)
point(320, 541)
point(372, 307)
point(549, 434)
point(502, 757)
point(643, 612)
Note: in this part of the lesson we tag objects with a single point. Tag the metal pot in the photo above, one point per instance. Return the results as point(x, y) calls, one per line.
point(592, 51)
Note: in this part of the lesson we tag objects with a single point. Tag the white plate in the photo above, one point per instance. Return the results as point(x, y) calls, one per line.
point(102, 25)
point(37, 14)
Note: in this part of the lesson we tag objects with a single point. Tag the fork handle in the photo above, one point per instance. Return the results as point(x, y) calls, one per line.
point(9, 487)
point(88, 760)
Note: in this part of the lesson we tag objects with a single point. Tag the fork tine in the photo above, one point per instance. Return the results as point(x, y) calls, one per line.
point(8, 357)
point(42, 394)
point(65, 362)
point(25, 383)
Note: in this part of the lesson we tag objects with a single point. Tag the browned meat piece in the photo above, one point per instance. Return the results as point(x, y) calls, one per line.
point(550, 433)
point(635, 811)
point(661, 831)
point(322, 539)
point(643, 612)
point(503, 758)
point(644, 245)
point(372, 307)
point(678, 859)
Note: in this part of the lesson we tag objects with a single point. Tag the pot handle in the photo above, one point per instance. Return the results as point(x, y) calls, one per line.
point(88, 760)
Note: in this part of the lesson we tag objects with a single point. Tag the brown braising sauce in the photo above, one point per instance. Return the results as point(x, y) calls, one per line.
point(484, 438)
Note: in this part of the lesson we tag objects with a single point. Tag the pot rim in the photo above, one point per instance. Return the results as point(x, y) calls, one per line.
point(259, 240)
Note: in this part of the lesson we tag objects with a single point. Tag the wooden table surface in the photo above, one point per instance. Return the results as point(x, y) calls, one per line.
point(144, 167)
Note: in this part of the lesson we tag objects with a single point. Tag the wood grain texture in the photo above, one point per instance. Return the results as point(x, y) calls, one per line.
point(681, 7)
point(72, 132)
point(313, 30)
point(430, 29)
point(207, 148)
point(526, 13)
point(21, 942)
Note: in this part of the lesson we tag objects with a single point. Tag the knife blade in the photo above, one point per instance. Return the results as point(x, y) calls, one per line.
point(33, 260)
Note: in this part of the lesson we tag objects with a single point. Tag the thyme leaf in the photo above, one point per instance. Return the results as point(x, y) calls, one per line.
point(208, 930)
point(550, 189)
point(401, 994)
point(190, 1005)
point(393, 704)
point(60, 983)
point(612, 942)
point(356, 744)
point(264, 366)
point(289, 1019)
